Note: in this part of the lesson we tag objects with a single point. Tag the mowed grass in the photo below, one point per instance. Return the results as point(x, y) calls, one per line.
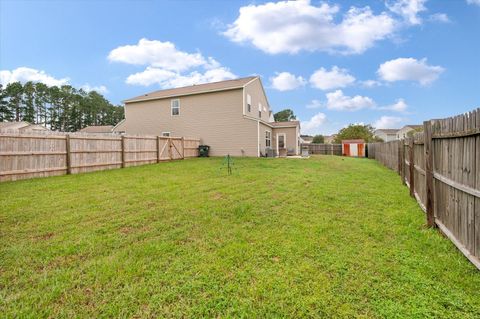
point(325, 237)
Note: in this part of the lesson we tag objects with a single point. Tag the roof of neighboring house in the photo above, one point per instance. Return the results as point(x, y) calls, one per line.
point(415, 126)
point(307, 138)
point(97, 129)
point(33, 127)
point(388, 130)
point(353, 141)
point(194, 89)
point(285, 124)
point(13, 125)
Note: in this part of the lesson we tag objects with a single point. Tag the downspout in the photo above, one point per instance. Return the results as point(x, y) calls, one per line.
point(258, 138)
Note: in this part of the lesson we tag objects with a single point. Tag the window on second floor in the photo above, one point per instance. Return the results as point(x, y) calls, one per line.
point(249, 103)
point(259, 109)
point(175, 106)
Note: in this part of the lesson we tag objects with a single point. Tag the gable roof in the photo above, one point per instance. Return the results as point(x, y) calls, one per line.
point(193, 89)
point(97, 129)
point(388, 130)
point(285, 124)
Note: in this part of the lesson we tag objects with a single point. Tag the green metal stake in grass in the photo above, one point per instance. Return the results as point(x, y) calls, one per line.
point(229, 162)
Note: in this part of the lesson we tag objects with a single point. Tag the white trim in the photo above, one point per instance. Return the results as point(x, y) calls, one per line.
point(250, 81)
point(171, 107)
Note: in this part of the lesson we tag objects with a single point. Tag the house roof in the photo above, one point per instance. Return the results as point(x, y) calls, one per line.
point(193, 89)
point(415, 126)
point(388, 130)
point(285, 124)
point(353, 141)
point(97, 129)
point(13, 125)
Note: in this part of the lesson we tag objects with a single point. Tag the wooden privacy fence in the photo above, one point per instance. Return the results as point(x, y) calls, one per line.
point(25, 156)
point(441, 167)
point(326, 149)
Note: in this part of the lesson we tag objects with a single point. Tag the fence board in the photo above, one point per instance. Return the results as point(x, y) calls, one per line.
point(325, 149)
point(446, 176)
point(24, 155)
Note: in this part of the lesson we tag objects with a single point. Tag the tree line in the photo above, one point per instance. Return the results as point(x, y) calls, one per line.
point(63, 108)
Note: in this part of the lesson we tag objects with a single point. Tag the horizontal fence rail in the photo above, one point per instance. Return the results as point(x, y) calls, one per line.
point(29, 155)
point(441, 167)
point(325, 149)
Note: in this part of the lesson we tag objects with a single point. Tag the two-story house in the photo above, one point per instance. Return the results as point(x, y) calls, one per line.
point(232, 117)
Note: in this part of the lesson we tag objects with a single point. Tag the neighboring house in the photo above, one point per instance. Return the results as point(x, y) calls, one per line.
point(354, 148)
point(97, 129)
point(328, 139)
point(403, 132)
point(232, 117)
point(306, 139)
point(22, 126)
point(387, 134)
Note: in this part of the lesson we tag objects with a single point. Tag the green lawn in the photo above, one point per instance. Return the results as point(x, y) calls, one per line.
point(324, 237)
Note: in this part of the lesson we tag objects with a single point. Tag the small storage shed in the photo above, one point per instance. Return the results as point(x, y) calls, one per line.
point(355, 148)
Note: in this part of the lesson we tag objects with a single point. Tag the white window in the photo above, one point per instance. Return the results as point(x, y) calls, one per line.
point(268, 139)
point(249, 103)
point(259, 109)
point(175, 106)
point(165, 133)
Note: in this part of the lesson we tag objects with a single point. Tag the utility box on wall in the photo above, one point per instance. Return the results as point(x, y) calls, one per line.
point(354, 148)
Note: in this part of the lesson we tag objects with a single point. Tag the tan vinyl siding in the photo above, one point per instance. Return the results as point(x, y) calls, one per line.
point(216, 118)
point(255, 90)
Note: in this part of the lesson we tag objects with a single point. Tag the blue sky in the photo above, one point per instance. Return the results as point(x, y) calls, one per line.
point(387, 63)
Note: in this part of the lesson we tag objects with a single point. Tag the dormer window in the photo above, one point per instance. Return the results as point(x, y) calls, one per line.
point(175, 107)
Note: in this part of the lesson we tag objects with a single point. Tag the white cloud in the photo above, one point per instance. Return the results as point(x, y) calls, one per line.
point(409, 69)
point(293, 26)
point(477, 2)
point(167, 66)
point(170, 79)
point(157, 54)
point(102, 89)
point(408, 9)
point(313, 125)
point(399, 106)
point(340, 102)
point(315, 104)
point(440, 17)
point(335, 78)
point(370, 83)
point(387, 122)
point(24, 74)
point(285, 81)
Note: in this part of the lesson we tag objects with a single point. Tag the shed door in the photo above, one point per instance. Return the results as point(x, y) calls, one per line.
point(353, 150)
point(361, 150)
point(346, 149)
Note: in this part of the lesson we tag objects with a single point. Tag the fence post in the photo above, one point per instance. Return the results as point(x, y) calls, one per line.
point(183, 147)
point(428, 147)
point(123, 151)
point(68, 160)
point(411, 167)
point(170, 148)
point(158, 149)
point(401, 161)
